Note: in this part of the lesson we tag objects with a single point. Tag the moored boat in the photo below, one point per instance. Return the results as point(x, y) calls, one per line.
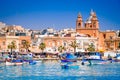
point(94, 58)
point(68, 61)
point(14, 62)
point(9, 63)
point(17, 62)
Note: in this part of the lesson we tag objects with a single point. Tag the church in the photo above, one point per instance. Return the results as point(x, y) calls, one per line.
point(106, 40)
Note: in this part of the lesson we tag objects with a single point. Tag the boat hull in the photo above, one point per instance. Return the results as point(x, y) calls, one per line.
point(9, 63)
point(13, 63)
point(94, 61)
point(70, 66)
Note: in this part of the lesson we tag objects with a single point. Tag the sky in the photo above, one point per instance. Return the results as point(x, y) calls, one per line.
point(59, 14)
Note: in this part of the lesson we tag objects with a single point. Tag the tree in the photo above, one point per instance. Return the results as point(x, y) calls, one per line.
point(26, 45)
point(61, 48)
point(42, 46)
point(12, 46)
point(74, 45)
point(119, 46)
point(91, 47)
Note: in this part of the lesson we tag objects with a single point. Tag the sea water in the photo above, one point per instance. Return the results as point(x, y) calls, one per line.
point(51, 70)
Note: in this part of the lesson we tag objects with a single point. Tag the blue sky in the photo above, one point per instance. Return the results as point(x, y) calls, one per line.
point(59, 14)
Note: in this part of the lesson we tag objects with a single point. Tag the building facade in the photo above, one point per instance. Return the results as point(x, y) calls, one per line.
point(85, 34)
point(106, 40)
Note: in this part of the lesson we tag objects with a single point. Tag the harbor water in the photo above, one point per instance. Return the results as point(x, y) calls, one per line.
point(51, 70)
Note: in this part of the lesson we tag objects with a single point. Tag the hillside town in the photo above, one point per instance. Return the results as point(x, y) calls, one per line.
point(85, 35)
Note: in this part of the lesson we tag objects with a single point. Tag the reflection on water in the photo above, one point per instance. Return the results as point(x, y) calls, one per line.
point(51, 69)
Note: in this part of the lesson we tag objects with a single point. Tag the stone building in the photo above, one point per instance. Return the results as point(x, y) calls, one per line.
point(106, 40)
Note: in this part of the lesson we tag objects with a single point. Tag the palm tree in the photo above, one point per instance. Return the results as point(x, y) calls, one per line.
point(42, 46)
point(91, 48)
point(26, 45)
point(119, 46)
point(74, 45)
point(61, 48)
point(12, 46)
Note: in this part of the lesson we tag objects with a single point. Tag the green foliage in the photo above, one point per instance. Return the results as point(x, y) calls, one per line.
point(26, 44)
point(42, 46)
point(91, 48)
point(119, 46)
point(61, 48)
point(74, 45)
point(12, 45)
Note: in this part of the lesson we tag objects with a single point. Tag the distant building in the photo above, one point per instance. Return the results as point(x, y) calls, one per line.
point(2, 25)
point(86, 33)
point(106, 40)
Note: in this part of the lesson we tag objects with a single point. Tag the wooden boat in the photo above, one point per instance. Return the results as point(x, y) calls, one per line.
point(68, 61)
point(94, 58)
point(14, 62)
point(32, 62)
point(9, 63)
point(66, 66)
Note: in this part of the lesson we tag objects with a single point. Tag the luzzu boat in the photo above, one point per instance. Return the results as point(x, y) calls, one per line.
point(117, 58)
point(9, 63)
point(69, 61)
point(69, 65)
point(17, 62)
point(14, 62)
point(32, 62)
point(94, 58)
point(28, 59)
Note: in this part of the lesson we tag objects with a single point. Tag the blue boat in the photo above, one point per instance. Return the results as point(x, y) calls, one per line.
point(29, 59)
point(94, 58)
point(68, 57)
point(32, 62)
point(70, 66)
point(68, 61)
point(117, 58)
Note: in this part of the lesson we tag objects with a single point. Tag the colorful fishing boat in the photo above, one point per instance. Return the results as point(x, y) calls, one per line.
point(68, 60)
point(94, 58)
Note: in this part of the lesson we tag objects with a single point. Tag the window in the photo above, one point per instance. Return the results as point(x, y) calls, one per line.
point(79, 24)
point(119, 34)
point(104, 35)
point(90, 26)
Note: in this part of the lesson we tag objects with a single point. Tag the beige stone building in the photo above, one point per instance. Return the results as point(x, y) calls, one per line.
point(107, 40)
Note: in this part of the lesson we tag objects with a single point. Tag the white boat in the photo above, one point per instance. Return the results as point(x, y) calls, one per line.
point(9, 63)
point(118, 56)
point(18, 63)
point(13, 63)
point(94, 58)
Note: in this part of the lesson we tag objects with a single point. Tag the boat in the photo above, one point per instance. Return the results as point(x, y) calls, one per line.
point(9, 63)
point(28, 59)
point(68, 61)
point(17, 61)
point(14, 62)
point(94, 58)
point(70, 66)
point(117, 58)
point(32, 62)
